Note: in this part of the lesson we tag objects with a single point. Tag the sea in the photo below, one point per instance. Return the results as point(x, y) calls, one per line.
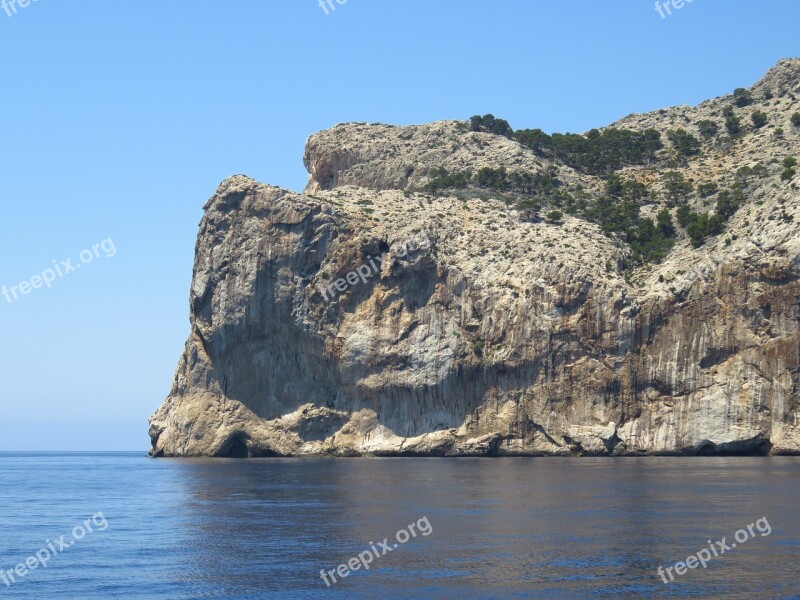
point(126, 526)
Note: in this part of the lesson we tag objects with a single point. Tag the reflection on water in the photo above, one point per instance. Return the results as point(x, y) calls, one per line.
point(502, 528)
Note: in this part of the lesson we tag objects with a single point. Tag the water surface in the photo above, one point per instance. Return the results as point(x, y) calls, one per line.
point(501, 528)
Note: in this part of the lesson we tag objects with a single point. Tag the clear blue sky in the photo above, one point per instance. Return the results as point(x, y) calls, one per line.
point(120, 118)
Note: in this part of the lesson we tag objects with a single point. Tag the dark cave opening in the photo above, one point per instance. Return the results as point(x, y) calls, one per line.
point(236, 447)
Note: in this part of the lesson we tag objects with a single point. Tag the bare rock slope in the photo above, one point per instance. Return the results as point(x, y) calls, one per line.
point(377, 313)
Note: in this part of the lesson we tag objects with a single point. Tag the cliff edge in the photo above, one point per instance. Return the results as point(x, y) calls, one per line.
point(458, 288)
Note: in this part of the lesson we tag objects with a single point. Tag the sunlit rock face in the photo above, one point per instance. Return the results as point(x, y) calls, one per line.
point(370, 316)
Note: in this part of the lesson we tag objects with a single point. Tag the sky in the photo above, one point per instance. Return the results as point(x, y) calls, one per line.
point(120, 118)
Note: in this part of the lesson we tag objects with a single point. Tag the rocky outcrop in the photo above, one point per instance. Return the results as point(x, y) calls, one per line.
point(369, 316)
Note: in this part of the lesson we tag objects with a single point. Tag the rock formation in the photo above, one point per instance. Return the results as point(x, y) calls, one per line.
point(372, 315)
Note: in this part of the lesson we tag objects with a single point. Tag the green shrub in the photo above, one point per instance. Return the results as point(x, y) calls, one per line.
point(490, 124)
point(441, 179)
point(529, 208)
point(788, 173)
point(789, 161)
point(597, 153)
point(684, 142)
point(741, 97)
point(708, 129)
point(493, 179)
point(555, 216)
point(684, 215)
point(614, 214)
point(728, 202)
point(745, 174)
point(707, 189)
point(732, 122)
point(759, 119)
point(535, 139)
point(676, 186)
point(542, 183)
point(796, 119)
point(539, 183)
point(618, 212)
point(651, 243)
point(701, 226)
point(664, 222)
point(626, 189)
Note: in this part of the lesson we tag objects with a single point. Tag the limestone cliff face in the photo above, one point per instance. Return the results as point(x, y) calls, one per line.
point(368, 316)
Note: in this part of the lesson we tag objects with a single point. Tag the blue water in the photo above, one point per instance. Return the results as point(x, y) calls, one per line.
point(499, 528)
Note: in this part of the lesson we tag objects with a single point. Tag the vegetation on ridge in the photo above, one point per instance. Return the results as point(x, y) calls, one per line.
point(603, 153)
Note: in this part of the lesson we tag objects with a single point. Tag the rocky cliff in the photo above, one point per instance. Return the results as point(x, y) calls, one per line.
point(394, 309)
